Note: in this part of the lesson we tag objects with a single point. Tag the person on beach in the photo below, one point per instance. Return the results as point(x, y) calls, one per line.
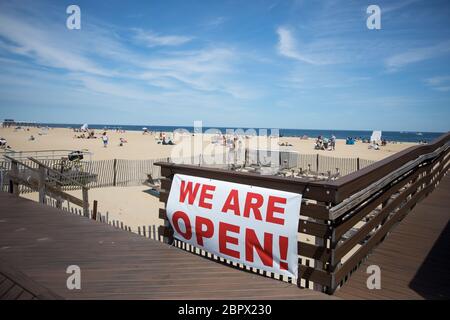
point(105, 139)
point(122, 141)
point(333, 142)
point(3, 143)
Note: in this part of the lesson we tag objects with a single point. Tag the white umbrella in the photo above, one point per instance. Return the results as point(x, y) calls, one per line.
point(84, 126)
point(144, 128)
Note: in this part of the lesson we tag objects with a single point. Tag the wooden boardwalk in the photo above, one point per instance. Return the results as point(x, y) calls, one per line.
point(415, 258)
point(38, 243)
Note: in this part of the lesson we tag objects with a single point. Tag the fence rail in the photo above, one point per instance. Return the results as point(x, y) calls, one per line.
point(120, 172)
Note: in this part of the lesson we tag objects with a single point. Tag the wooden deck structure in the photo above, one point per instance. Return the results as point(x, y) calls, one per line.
point(38, 243)
point(348, 218)
point(415, 258)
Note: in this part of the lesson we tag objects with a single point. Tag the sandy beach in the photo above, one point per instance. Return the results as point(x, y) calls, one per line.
point(140, 147)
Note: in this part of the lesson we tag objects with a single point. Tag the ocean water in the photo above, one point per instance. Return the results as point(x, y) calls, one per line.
point(400, 136)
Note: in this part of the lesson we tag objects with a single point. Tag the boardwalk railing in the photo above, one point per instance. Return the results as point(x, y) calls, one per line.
point(345, 219)
point(46, 181)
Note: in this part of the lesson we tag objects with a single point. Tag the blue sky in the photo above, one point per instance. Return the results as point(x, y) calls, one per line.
point(287, 64)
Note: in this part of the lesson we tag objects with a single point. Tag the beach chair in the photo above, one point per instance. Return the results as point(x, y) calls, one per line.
point(155, 186)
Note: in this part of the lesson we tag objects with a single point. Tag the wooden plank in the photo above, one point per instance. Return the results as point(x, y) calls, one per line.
point(374, 240)
point(315, 252)
point(12, 294)
point(345, 225)
point(315, 211)
point(166, 184)
point(344, 248)
point(314, 228)
point(5, 286)
point(163, 196)
point(162, 214)
point(311, 274)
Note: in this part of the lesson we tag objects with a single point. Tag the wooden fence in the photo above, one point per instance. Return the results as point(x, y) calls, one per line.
point(346, 218)
point(120, 172)
point(94, 174)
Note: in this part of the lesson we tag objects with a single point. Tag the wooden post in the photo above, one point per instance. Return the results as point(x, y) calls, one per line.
point(317, 163)
point(357, 164)
point(85, 202)
point(41, 184)
point(94, 210)
point(14, 186)
point(115, 172)
point(318, 265)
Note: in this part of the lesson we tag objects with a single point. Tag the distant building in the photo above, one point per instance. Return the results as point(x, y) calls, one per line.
point(12, 123)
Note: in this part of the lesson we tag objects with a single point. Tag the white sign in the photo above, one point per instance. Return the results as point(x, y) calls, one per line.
point(242, 223)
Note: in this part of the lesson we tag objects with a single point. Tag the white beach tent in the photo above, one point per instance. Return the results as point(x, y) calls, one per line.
point(375, 137)
point(84, 127)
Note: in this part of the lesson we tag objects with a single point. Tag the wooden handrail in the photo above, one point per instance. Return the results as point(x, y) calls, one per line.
point(57, 172)
point(42, 185)
point(358, 180)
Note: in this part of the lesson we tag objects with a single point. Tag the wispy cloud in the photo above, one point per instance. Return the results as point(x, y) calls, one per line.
point(439, 83)
point(215, 22)
point(391, 7)
point(287, 46)
point(152, 39)
point(27, 40)
point(416, 55)
point(100, 61)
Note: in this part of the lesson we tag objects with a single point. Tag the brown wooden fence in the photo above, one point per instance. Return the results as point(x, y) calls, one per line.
point(346, 218)
point(120, 172)
point(95, 174)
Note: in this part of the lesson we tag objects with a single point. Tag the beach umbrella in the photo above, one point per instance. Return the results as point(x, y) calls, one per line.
point(144, 128)
point(376, 136)
point(84, 126)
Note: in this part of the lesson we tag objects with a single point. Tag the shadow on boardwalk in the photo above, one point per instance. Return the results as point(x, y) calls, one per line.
point(432, 280)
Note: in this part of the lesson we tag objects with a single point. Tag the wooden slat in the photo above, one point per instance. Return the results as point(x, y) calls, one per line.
point(314, 275)
point(371, 243)
point(348, 223)
point(162, 214)
point(163, 196)
point(343, 249)
point(314, 228)
point(166, 184)
point(315, 252)
point(165, 231)
point(315, 211)
point(13, 293)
